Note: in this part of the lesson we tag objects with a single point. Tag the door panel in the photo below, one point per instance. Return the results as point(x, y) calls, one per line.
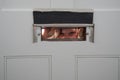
point(28, 68)
point(97, 68)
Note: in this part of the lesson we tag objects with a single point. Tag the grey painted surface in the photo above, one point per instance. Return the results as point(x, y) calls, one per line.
point(104, 4)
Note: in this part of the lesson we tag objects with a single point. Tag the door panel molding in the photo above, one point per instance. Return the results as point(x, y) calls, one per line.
point(47, 58)
point(106, 58)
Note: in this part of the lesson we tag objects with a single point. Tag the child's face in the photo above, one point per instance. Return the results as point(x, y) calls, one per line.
point(69, 33)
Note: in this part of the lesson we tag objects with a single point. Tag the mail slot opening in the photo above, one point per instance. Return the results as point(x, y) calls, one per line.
point(63, 33)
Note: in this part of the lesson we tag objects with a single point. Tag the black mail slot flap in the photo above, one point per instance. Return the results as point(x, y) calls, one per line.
point(54, 17)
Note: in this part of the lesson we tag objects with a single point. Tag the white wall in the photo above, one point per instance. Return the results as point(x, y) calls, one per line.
point(16, 32)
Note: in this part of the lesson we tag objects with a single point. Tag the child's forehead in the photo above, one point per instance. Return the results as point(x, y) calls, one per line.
point(68, 30)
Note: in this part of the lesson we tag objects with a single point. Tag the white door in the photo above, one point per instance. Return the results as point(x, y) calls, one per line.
point(20, 59)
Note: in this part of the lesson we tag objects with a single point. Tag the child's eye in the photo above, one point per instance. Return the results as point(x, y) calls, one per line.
point(62, 33)
point(71, 33)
